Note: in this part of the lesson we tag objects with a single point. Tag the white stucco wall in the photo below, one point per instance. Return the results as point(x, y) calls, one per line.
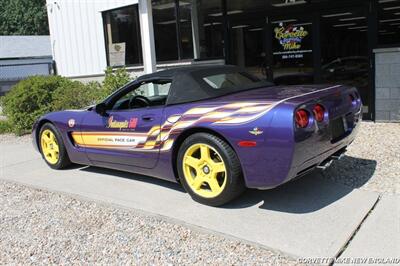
point(77, 35)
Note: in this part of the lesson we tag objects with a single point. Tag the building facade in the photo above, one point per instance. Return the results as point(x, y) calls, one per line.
point(286, 41)
point(22, 57)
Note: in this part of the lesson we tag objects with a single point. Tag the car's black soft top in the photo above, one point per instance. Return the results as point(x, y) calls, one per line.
point(172, 72)
point(188, 84)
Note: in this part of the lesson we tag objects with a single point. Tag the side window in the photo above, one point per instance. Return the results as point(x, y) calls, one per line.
point(153, 89)
point(146, 95)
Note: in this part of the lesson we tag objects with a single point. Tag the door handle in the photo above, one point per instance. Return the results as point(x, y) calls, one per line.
point(148, 118)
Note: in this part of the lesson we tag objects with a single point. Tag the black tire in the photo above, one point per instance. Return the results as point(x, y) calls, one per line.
point(63, 159)
point(234, 177)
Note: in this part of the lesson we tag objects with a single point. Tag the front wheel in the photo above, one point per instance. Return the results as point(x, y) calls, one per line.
point(209, 169)
point(52, 147)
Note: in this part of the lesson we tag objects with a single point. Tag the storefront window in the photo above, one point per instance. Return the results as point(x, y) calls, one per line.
point(186, 39)
point(287, 3)
point(389, 23)
point(198, 34)
point(208, 30)
point(246, 21)
point(344, 50)
point(292, 50)
point(123, 41)
point(164, 21)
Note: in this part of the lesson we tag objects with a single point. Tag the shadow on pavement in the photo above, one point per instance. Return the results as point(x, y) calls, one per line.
point(307, 194)
point(133, 176)
point(312, 192)
point(351, 171)
point(73, 167)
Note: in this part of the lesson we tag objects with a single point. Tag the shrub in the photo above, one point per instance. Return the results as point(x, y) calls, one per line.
point(5, 127)
point(36, 96)
point(114, 80)
point(1, 105)
point(30, 99)
point(75, 95)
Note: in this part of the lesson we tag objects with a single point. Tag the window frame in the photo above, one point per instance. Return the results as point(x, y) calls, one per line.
point(178, 33)
point(106, 40)
point(181, 58)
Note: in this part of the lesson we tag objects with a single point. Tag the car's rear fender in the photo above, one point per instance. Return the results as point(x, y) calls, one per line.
point(268, 164)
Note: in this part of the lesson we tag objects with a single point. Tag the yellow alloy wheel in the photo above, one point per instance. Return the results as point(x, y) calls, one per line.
point(204, 170)
point(49, 145)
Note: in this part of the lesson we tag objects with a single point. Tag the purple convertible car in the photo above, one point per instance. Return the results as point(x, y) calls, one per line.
point(214, 129)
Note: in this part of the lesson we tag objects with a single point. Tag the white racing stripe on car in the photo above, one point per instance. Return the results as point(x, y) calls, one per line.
point(308, 93)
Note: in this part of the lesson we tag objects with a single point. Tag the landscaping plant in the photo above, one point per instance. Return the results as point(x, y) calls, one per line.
point(5, 127)
point(29, 99)
point(114, 79)
point(33, 97)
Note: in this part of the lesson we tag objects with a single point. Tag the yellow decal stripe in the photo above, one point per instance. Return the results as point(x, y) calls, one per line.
point(228, 114)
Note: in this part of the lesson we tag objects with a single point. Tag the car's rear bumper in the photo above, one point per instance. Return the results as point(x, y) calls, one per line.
point(316, 150)
point(321, 161)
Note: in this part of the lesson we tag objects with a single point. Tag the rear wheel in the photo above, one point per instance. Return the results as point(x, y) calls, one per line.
point(52, 147)
point(209, 169)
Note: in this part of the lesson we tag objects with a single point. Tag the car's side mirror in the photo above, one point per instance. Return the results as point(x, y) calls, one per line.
point(101, 109)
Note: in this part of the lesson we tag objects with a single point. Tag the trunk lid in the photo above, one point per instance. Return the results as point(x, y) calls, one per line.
point(280, 93)
point(335, 98)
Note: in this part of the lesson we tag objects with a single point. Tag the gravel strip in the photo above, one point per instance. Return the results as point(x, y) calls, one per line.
point(40, 227)
point(372, 161)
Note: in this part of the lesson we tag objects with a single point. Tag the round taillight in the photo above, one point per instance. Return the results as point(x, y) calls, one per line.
point(302, 118)
point(319, 112)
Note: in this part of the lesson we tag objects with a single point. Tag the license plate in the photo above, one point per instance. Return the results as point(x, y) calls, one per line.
point(337, 128)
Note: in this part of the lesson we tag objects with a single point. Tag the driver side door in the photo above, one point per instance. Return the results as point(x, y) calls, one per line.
point(128, 133)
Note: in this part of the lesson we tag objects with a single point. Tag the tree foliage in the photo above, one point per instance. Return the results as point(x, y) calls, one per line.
point(23, 17)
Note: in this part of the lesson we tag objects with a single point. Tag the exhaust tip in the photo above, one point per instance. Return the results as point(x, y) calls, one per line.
point(339, 155)
point(325, 164)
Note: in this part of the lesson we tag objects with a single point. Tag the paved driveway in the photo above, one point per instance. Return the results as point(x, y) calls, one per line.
point(311, 217)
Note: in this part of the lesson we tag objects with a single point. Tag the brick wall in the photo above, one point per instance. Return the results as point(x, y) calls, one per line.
point(387, 84)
